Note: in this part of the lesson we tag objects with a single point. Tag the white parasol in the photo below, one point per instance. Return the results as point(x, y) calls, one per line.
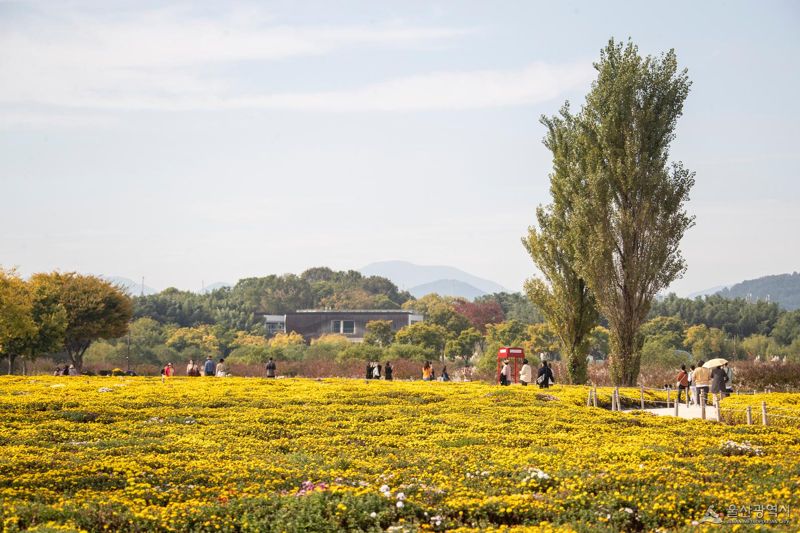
point(715, 363)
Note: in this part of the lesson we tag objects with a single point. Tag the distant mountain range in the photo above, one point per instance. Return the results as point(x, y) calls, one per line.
point(134, 288)
point(420, 280)
point(783, 289)
point(131, 287)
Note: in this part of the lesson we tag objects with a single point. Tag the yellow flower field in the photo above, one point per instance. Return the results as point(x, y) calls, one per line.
point(240, 454)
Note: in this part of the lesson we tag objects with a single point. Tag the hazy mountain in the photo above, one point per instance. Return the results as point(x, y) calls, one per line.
point(211, 287)
point(783, 289)
point(133, 288)
point(447, 287)
point(707, 292)
point(409, 276)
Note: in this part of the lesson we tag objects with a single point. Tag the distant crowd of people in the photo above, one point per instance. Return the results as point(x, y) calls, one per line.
point(66, 370)
point(699, 381)
point(544, 378)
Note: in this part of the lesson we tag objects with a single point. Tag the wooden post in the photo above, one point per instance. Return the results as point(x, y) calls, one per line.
point(594, 396)
point(749, 416)
point(677, 403)
point(718, 403)
point(668, 402)
point(703, 406)
point(641, 396)
point(764, 421)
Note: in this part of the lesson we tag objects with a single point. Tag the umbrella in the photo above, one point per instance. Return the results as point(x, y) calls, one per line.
point(715, 363)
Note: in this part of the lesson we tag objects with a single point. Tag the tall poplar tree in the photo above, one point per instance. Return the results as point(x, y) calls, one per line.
point(630, 217)
point(561, 294)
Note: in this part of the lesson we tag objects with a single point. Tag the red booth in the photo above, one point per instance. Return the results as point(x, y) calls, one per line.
point(515, 356)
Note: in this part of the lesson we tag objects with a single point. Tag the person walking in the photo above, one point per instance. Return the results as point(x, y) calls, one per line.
point(545, 376)
point(369, 370)
point(683, 383)
point(692, 388)
point(427, 371)
point(210, 367)
point(271, 368)
point(376, 371)
point(718, 378)
point(525, 373)
point(505, 373)
point(222, 371)
point(387, 371)
point(702, 379)
point(729, 381)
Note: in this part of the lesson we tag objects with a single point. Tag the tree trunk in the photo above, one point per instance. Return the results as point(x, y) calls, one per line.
point(576, 366)
point(10, 364)
point(24, 367)
point(626, 358)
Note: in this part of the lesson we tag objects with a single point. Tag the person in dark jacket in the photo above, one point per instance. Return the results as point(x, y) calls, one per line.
point(718, 379)
point(545, 376)
point(369, 370)
point(387, 371)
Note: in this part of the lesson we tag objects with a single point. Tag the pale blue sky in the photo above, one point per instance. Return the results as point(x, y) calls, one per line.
point(212, 141)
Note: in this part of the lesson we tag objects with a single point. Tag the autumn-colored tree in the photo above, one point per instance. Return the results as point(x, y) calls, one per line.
point(282, 340)
point(16, 318)
point(49, 320)
point(96, 309)
point(480, 313)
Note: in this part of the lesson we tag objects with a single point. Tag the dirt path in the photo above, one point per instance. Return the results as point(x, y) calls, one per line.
point(684, 411)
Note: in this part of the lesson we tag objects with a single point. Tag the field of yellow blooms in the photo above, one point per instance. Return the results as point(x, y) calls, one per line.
point(241, 454)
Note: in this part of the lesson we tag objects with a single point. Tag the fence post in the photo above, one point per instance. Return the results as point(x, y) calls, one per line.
point(668, 391)
point(641, 396)
point(614, 399)
point(677, 403)
point(703, 406)
point(594, 396)
point(749, 416)
point(764, 420)
point(718, 403)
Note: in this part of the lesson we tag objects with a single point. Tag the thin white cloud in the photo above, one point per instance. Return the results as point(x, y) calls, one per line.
point(167, 60)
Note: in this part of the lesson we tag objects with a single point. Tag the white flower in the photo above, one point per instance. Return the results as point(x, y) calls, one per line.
point(628, 510)
point(373, 514)
point(384, 488)
point(401, 496)
point(400, 504)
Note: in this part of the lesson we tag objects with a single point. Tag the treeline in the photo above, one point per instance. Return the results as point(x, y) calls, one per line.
point(80, 320)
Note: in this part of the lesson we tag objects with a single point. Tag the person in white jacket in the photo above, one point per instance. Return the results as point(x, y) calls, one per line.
point(525, 374)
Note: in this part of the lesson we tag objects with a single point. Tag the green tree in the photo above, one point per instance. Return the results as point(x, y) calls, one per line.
point(667, 329)
point(95, 308)
point(428, 336)
point(562, 295)
point(787, 328)
point(379, 333)
point(464, 345)
point(629, 217)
